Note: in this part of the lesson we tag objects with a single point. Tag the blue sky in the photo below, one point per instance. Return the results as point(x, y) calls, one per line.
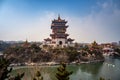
point(88, 20)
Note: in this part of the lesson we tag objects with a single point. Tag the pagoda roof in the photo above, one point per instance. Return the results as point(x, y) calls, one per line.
point(56, 20)
point(48, 39)
point(58, 26)
point(26, 44)
point(59, 34)
point(69, 39)
point(59, 20)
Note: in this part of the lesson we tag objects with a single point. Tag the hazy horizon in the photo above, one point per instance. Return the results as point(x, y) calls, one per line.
point(88, 20)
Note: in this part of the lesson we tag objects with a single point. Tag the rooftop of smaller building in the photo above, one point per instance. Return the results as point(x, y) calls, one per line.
point(47, 39)
point(69, 39)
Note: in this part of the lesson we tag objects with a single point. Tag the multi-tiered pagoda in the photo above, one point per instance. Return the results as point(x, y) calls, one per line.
point(59, 35)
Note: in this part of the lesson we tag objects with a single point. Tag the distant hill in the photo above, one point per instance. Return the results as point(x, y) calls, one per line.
point(4, 45)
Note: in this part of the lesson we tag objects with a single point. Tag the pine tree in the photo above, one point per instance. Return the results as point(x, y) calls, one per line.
point(4, 71)
point(18, 77)
point(38, 76)
point(62, 73)
point(101, 78)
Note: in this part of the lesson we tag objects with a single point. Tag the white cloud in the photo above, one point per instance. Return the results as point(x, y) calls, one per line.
point(101, 25)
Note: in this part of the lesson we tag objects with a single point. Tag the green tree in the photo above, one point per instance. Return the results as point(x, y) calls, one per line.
point(35, 48)
point(101, 78)
point(4, 71)
point(38, 76)
point(62, 73)
point(18, 77)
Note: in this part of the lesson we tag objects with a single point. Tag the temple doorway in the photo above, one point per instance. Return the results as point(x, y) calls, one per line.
point(60, 42)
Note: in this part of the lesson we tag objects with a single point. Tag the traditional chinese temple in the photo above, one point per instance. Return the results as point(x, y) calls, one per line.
point(59, 37)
